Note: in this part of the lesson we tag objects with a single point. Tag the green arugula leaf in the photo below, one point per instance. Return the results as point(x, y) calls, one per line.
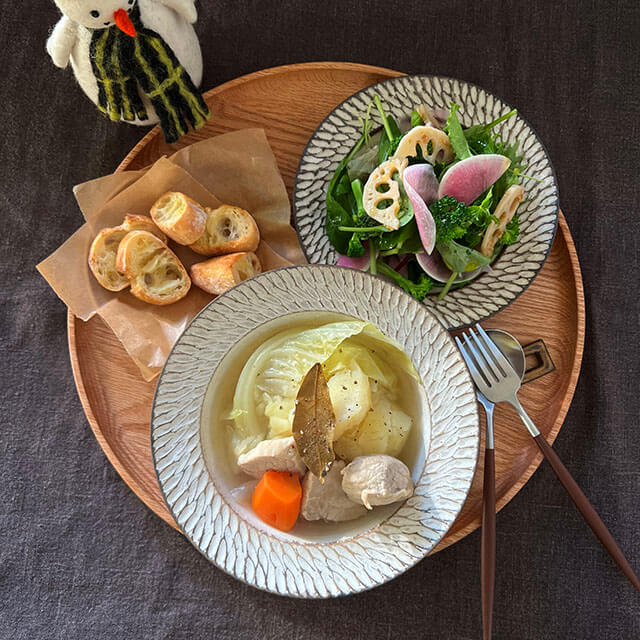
point(459, 258)
point(416, 119)
point(456, 134)
point(511, 175)
point(480, 131)
point(391, 134)
point(404, 240)
point(340, 204)
point(367, 125)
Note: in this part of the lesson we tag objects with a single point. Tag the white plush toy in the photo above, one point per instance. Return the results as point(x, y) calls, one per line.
point(138, 60)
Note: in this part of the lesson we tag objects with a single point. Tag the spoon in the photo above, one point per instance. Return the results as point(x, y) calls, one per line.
point(511, 348)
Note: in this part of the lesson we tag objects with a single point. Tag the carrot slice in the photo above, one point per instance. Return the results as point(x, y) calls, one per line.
point(276, 499)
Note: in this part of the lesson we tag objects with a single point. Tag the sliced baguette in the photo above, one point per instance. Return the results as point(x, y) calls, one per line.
point(218, 275)
point(142, 223)
point(154, 271)
point(102, 254)
point(102, 259)
point(180, 217)
point(228, 230)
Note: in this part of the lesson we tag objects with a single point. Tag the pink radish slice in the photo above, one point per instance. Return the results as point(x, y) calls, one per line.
point(421, 185)
point(440, 115)
point(435, 267)
point(471, 177)
point(361, 264)
point(422, 179)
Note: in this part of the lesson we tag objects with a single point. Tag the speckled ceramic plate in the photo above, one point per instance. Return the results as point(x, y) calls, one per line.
point(190, 448)
point(518, 264)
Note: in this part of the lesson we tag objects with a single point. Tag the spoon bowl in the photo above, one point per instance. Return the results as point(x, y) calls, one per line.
point(511, 349)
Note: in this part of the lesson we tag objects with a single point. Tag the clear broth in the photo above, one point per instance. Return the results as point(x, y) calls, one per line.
point(236, 487)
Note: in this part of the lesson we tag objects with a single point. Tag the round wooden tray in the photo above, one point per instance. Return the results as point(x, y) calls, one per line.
point(289, 102)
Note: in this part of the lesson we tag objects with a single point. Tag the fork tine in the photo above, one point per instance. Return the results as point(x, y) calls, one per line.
point(499, 357)
point(495, 370)
point(485, 367)
point(475, 373)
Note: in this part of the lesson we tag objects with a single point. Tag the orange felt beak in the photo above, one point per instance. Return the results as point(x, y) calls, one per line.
point(124, 22)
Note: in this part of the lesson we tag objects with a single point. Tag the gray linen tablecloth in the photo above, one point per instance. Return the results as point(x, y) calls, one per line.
point(82, 557)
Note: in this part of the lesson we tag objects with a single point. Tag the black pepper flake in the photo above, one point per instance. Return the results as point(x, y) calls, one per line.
point(344, 388)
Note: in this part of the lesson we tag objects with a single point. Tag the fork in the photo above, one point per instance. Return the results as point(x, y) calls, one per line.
point(498, 382)
point(488, 542)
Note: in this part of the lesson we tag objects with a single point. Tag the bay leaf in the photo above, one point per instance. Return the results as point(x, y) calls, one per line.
point(314, 423)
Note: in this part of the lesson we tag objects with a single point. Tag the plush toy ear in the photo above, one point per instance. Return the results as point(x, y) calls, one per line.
point(185, 8)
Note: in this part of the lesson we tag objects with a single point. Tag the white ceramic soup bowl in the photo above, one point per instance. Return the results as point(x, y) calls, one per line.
point(210, 500)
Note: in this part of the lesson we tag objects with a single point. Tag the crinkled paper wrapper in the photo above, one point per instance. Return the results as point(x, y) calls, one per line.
point(236, 168)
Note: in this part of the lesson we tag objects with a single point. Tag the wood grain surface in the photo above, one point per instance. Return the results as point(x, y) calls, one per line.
point(289, 102)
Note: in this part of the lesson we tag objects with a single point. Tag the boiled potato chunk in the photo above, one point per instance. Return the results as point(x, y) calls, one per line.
point(350, 393)
point(384, 431)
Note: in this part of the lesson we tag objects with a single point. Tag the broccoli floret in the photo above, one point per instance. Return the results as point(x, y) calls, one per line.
point(356, 249)
point(417, 289)
point(511, 232)
point(451, 217)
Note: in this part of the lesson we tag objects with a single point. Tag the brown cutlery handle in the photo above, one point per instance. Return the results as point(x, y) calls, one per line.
point(488, 557)
point(587, 511)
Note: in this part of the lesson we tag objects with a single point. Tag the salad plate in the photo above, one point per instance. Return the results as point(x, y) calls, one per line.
point(484, 285)
point(192, 433)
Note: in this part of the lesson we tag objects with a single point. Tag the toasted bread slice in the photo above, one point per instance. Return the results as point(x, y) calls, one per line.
point(217, 275)
point(180, 217)
point(102, 259)
point(229, 230)
point(154, 271)
point(142, 223)
point(102, 254)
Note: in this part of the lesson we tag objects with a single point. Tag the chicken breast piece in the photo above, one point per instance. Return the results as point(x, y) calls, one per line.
point(328, 501)
point(279, 454)
point(377, 480)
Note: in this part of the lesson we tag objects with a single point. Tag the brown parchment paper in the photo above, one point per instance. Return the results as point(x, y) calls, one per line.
point(240, 166)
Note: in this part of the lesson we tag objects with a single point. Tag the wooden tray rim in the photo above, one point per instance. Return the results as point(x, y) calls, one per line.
point(563, 227)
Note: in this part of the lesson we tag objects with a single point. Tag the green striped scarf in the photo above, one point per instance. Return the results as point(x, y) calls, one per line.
point(124, 66)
